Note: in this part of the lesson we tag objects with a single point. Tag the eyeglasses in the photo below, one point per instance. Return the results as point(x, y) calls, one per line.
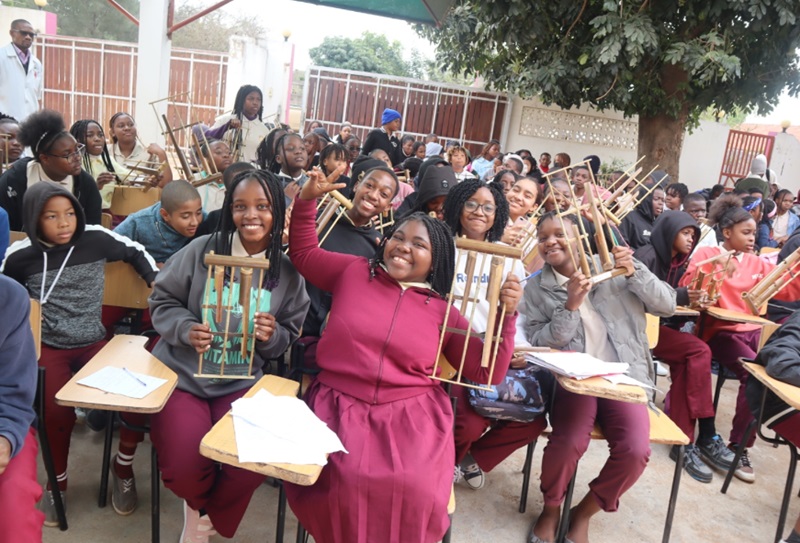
point(25, 33)
point(472, 206)
point(77, 153)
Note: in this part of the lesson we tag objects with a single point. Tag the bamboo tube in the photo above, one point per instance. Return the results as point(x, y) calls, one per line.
point(715, 258)
point(493, 297)
point(599, 236)
point(219, 285)
point(472, 257)
point(187, 169)
point(203, 314)
point(245, 284)
point(584, 261)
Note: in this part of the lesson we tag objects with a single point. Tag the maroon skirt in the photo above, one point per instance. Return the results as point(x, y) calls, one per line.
point(394, 484)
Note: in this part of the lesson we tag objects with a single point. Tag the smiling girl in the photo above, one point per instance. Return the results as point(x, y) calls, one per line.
point(374, 388)
point(126, 145)
point(250, 227)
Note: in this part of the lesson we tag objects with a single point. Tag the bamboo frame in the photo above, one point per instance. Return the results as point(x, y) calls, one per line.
point(5, 164)
point(709, 282)
point(336, 205)
point(221, 267)
point(772, 283)
point(496, 256)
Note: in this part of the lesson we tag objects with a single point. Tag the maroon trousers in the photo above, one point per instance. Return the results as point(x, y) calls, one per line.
point(690, 394)
point(224, 492)
point(727, 348)
point(789, 429)
point(19, 492)
point(626, 427)
point(492, 447)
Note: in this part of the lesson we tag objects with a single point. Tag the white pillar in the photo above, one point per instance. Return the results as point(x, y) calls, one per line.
point(152, 73)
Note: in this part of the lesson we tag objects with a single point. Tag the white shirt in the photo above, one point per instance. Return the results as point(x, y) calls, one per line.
point(252, 133)
point(20, 93)
point(780, 225)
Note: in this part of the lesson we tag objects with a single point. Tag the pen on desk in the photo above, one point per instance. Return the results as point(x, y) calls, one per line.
point(126, 370)
point(531, 276)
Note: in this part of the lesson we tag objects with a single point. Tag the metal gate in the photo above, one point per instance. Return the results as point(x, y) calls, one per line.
point(741, 149)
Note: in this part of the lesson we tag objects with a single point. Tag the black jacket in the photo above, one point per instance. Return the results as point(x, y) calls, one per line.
point(637, 226)
point(657, 256)
point(779, 309)
point(781, 357)
point(379, 139)
point(14, 183)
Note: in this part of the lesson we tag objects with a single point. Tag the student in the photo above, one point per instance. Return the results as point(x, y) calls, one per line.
point(9, 131)
point(265, 153)
point(674, 195)
point(291, 156)
point(764, 235)
point(785, 222)
point(637, 225)
point(395, 421)
point(458, 158)
point(314, 145)
point(730, 341)
point(57, 159)
point(695, 205)
point(581, 175)
point(353, 145)
point(344, 133)
point(485, 161)
point(521, 203)
point(211, 220)
point(215, 498)
point(478, 212)
point(544, 162)
point(689, 400)
point(19, 489)
point(561, 160)
point(781, 358)
point(167, 226)
point(433, 189)
point(408, 147)
point(353, 234)
point(126, 146)
point(218, 156)
point(62, 263)
point(607, 320)
point(504, 180)
point(385, 137)
point(106, 171)
point(246, 118)
point(332, 158)
point(559, 196)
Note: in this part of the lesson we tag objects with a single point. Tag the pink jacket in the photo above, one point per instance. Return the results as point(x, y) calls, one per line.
point(381, 341)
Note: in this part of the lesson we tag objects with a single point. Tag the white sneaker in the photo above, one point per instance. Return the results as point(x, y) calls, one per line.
point(473, 476)
point(196, 529)
point(661, 370)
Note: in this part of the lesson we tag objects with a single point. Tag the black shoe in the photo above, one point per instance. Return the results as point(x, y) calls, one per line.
point(96, 419)
point(693, 464)
point(716, 453)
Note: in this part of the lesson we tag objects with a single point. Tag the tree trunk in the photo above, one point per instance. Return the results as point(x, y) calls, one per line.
point(661, 141)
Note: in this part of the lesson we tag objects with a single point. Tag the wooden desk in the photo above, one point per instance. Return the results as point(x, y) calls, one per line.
point(124, 287)
point(220, 443)
point(128, 199)
point(600, 388)
point(121, 351)
point(734, 316)
point(35, 319)
point(786, 392)
point(681, 311)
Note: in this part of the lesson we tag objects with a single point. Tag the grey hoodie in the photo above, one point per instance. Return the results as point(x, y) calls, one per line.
point(175, 306)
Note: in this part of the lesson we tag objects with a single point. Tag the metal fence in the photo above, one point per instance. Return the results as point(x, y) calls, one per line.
point(93, 79)
point(453, 112)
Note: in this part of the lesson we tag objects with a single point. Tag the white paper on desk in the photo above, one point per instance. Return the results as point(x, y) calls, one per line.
point(119, 381)
point(576, 365)
point(281, 429)
point(622, 379)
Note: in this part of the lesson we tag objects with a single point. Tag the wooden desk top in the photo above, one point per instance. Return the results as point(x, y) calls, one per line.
point(121, 351)
point(599, 387)
point(220, 443)
point(681, 311)
point(735, 316)
point(786, 392)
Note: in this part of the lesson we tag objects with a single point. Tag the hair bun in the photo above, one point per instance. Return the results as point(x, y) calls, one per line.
point(38, 125)
point(722, 205)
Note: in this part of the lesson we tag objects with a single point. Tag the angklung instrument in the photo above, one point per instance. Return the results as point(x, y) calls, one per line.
point(709, 281)
point(771, 284)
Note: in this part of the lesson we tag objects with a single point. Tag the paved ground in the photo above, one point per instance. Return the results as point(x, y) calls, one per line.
point(748, 513)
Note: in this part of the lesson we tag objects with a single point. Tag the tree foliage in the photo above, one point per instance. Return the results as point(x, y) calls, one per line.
point(95, 19)
point(678, 57)
point(369, 53)
point(213, 31)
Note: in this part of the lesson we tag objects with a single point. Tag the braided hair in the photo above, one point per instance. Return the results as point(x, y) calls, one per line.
point(78, 131)
point(727, 211)
point(41, 130)
point(442, 251)
point(458, 196)
point(275, 166)
point(226, 229)
point(241, 96)
point(7, 119)
point(265, 152)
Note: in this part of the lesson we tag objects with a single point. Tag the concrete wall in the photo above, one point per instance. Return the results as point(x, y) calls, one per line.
point(43, 22)
point(786, 161)
point(701, 156)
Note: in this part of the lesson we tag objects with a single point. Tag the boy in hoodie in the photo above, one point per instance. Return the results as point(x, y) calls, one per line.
point(637, 226)
point(689, 398)
point(19, 490)
point(166, 226)
point(62, 263)
point(433, 188)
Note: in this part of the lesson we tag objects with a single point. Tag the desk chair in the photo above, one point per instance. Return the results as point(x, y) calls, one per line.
point(759, 372)
point(127, 199)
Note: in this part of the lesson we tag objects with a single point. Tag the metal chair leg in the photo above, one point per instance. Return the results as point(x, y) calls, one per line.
point(563, 523)
point(449, 532)
point(787, 491)
point(155, 497)
point(102, 499)
point(720, 383)
point(47, 455)
point(301, 533)
point(526, 477)
point(281, 522)
point(673, 495)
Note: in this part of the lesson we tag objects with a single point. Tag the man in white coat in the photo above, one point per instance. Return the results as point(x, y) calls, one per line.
point(21, 74)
